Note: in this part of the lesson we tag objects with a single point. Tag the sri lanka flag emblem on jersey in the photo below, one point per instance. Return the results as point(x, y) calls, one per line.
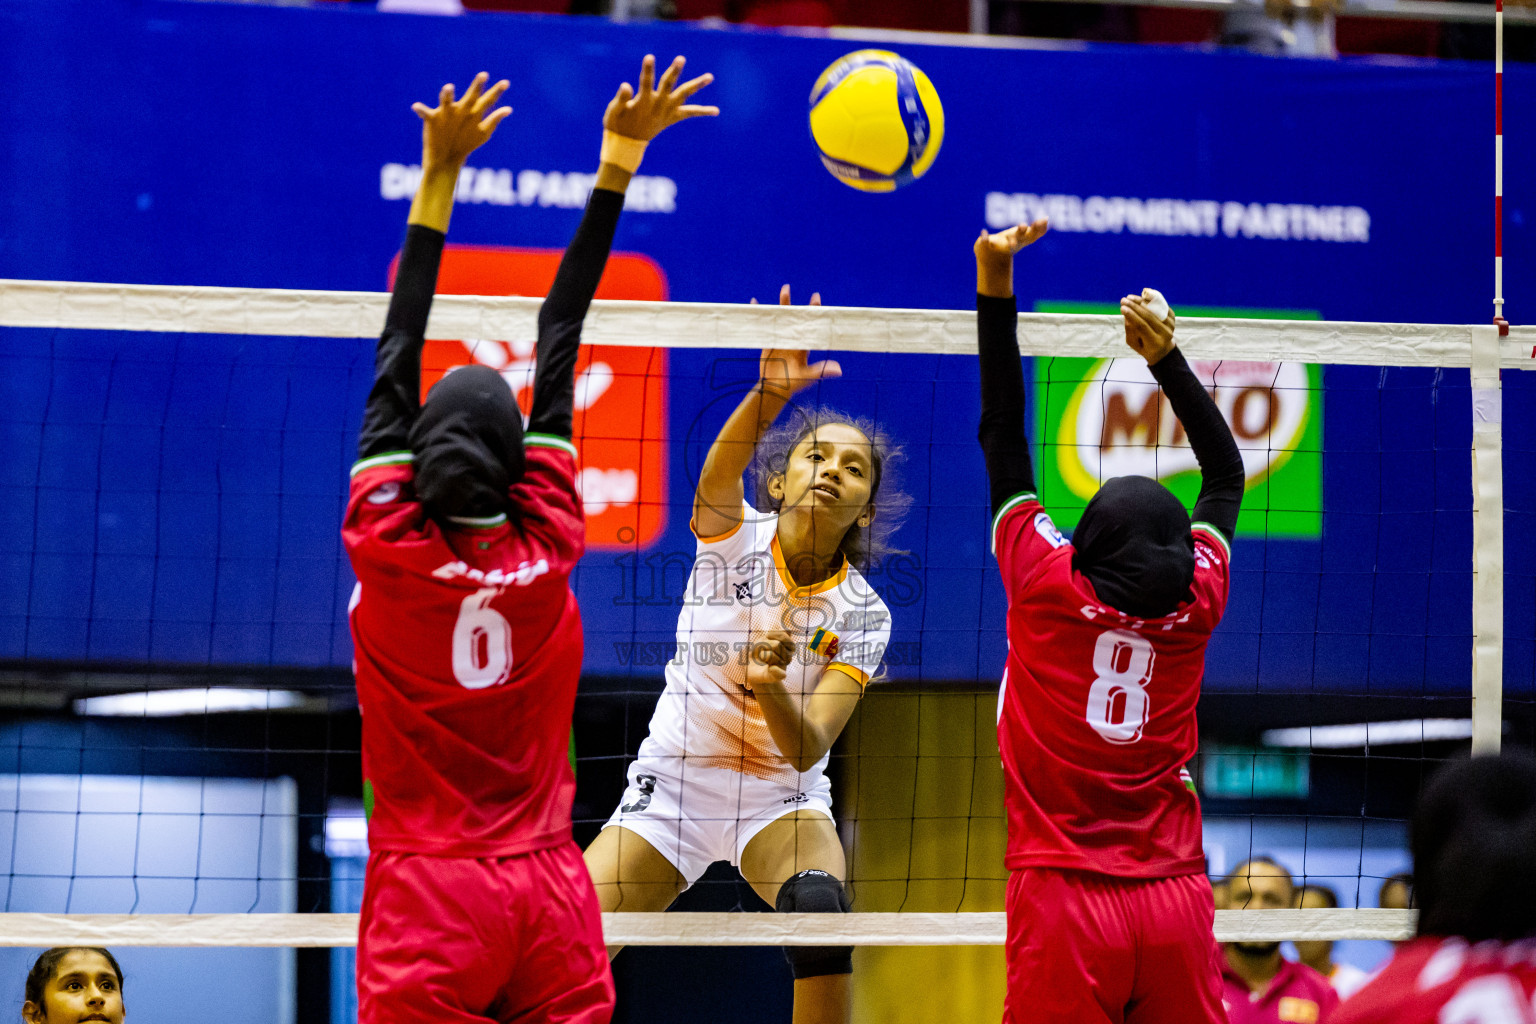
point(825, 643)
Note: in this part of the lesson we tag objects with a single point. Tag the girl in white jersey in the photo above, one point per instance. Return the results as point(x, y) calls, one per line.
point(778, 636)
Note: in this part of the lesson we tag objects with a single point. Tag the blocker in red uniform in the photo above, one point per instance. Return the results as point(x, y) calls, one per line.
point(463, 531)
point(1430, 980)
point(1474, 876)
point(1109, 912)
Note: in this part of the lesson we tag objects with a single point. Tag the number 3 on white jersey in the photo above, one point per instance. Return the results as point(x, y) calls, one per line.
point(1118, 701)
point(482, 642)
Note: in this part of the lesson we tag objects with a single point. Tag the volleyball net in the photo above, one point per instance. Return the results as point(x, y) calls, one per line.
point(178, 754)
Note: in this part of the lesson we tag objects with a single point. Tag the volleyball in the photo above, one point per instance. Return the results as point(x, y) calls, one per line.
point(876, 120)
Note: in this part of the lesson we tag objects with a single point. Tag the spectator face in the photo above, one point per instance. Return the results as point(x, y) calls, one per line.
point(1320, 951)
point(83, 988)
point(1394, 896)
point(1259, 886)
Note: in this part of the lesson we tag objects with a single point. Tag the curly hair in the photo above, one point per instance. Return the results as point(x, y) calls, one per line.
point(862, 546)
point(47, 965)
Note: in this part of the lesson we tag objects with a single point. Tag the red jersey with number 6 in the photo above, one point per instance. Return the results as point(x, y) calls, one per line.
point(467, 648)
point(1096, 715)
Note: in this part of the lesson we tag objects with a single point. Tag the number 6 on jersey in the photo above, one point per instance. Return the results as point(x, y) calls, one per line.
point(1118, 700)
point(482, 642)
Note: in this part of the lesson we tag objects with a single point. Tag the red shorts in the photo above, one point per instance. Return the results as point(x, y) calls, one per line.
point(1091, 949)
point(459, 940)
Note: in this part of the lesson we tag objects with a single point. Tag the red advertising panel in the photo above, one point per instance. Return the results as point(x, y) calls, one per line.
point(620, 392)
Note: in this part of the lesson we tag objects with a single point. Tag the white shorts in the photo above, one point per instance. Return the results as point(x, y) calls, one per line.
point(695, 815)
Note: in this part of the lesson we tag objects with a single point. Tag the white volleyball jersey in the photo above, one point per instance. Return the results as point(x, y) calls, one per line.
point(738, 589)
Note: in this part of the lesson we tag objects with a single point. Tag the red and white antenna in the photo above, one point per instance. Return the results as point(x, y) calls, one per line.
point(1498, 168)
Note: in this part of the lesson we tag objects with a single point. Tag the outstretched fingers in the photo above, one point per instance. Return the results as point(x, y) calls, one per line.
point(488, 98)
point(691, 86)
point(827, 369)
point(784, 296)
point(1020, 235)
point(679, 95)
point(647, 75)
point(494, 118)
point(473, 92)
point(670, 76)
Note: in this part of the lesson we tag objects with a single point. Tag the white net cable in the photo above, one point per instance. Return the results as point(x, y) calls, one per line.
point(321, 314)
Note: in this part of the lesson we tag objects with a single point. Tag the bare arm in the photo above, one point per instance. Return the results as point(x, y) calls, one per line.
point(803, 727)
point(781, 374)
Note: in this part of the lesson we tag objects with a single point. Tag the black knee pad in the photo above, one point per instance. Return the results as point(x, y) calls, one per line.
point(815, 892)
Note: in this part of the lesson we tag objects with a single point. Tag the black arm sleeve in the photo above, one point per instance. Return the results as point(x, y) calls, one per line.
point(1221, 467)
point(560, 317)
point(396, 395)
point(1009, 470)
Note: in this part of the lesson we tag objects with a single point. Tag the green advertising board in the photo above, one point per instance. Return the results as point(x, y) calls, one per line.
point(1102, 418)
point(1244, 773)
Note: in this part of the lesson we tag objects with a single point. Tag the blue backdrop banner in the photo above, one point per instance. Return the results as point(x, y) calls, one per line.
point(176, 499)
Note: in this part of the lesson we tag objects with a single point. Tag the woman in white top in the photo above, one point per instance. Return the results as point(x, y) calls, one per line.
point(778, 636)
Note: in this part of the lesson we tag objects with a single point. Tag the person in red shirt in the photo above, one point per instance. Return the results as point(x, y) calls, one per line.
point(462, 530)
point(1259, 985)
point(1317, 954)
point(1109, 910)
point(1473, 960)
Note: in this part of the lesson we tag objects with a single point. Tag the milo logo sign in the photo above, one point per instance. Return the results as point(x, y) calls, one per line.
point(1105, 418)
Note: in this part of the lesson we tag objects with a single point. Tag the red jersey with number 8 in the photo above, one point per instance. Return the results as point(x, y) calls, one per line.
point(1096, 715)
point(467, 649)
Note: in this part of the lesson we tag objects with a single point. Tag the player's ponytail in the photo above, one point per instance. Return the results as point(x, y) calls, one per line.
point(863, 546)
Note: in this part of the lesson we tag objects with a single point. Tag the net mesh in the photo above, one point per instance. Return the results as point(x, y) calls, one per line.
point(170, 538)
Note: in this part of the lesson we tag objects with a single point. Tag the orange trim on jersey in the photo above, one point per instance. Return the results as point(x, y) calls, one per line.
point(794, 589)
point(857, 674)
point(717, 537)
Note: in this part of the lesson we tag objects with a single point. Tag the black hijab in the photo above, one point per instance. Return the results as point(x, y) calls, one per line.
point(468, 443)
point(1134, 544)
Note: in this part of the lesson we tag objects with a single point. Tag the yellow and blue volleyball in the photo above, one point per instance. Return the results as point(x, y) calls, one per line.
point(876, 120)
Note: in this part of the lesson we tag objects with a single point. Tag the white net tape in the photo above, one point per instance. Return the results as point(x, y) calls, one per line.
point(291, 313)
point(678, 929)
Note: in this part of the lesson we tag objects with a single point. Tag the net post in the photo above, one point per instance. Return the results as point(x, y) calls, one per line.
point(1487, 543)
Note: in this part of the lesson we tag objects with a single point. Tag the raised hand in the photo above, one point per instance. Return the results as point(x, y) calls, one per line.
point(994, 256)
point(788, 371)
point(1150, 337)
point(645, 112)
point(454, 128)
point(1003, 244)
